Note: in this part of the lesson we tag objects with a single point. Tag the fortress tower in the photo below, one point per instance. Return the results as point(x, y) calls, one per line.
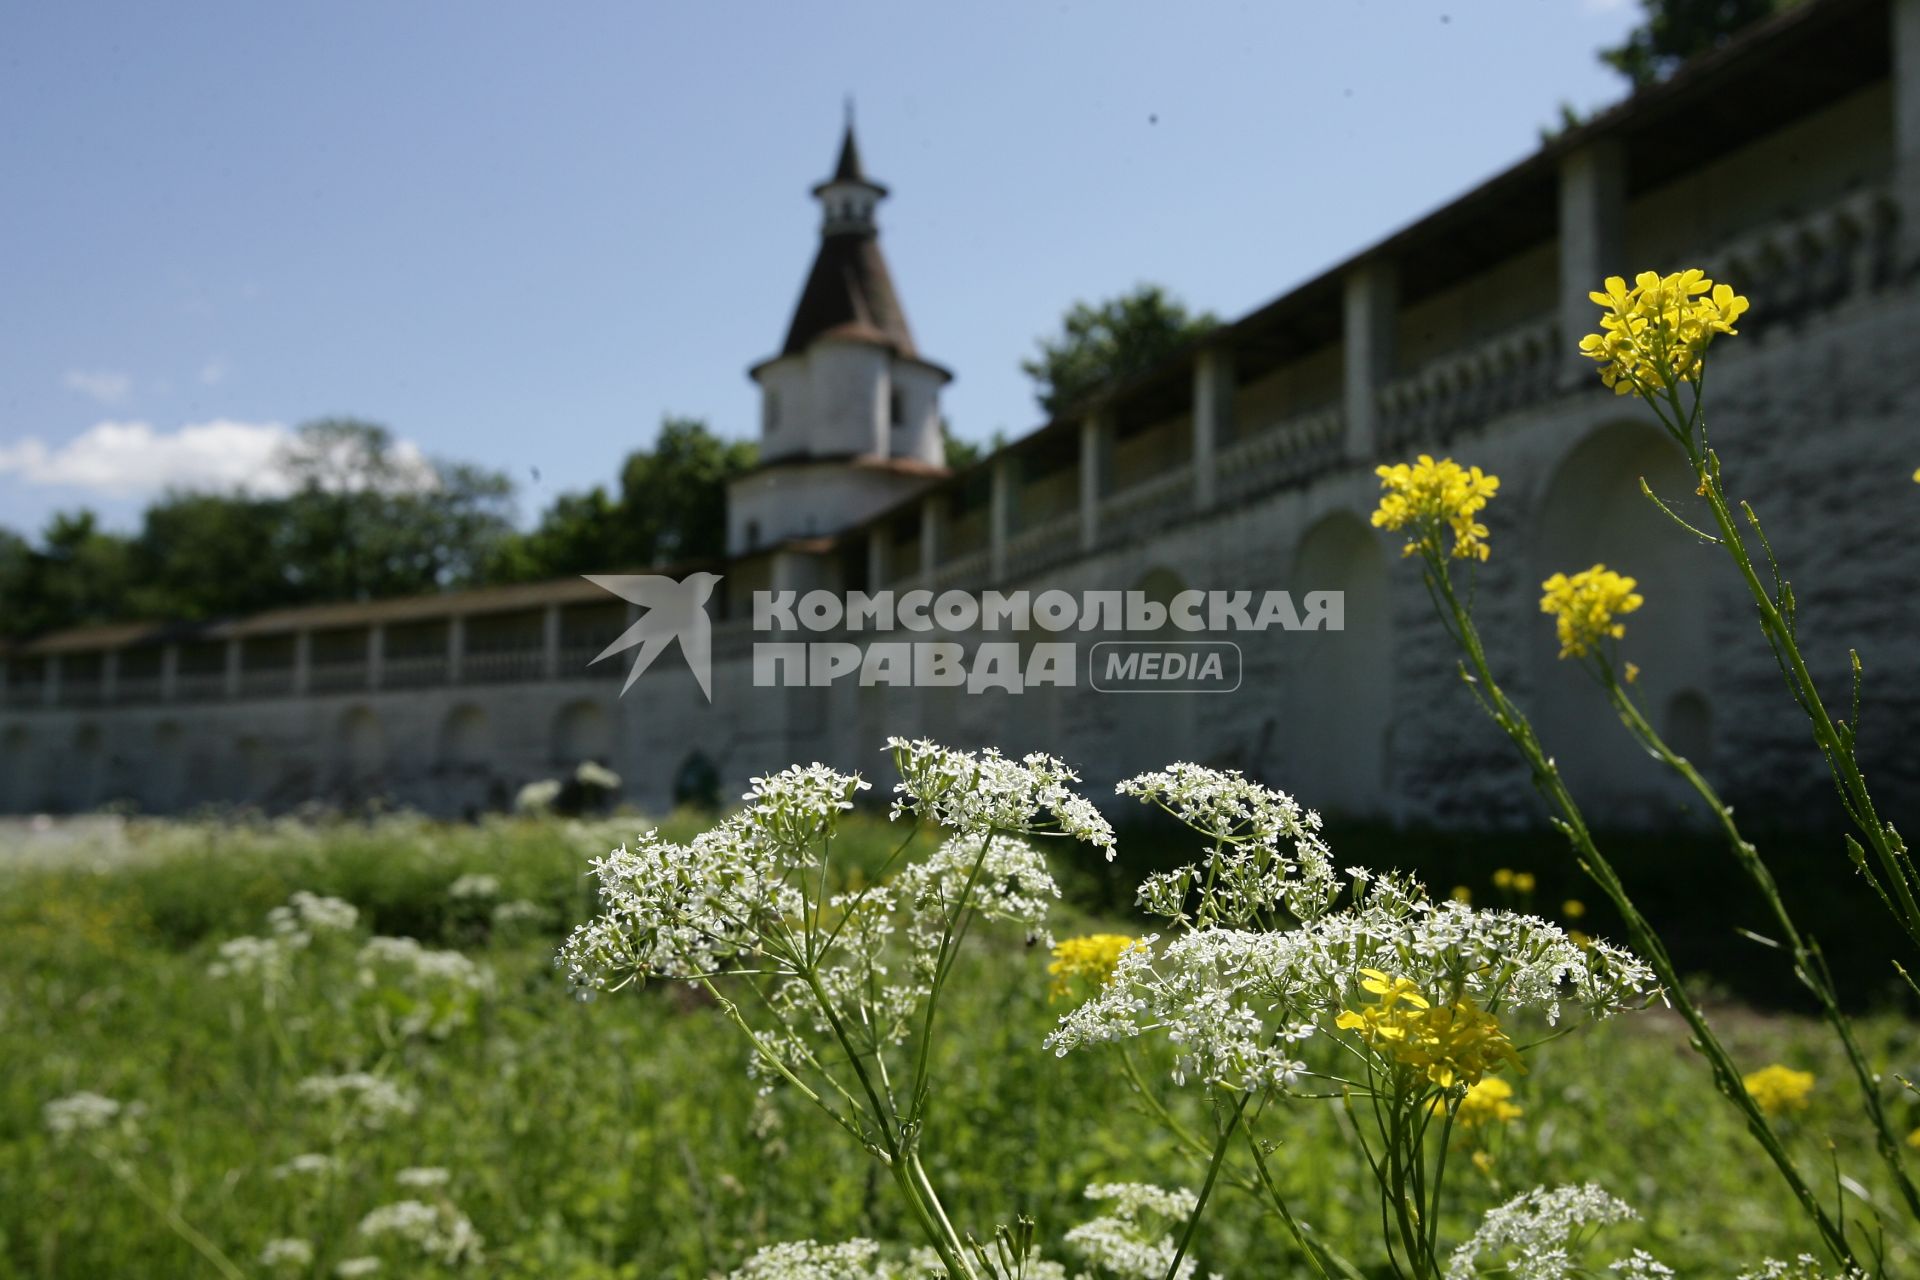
point(849, 410)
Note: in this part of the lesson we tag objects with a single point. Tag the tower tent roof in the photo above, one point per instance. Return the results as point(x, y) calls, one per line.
point(849, 294)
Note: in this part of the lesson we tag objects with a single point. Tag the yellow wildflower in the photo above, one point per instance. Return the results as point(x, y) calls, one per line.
point(1523, 882)
point(1447, 1044)
point(1573, 908)
point(1503, 878)
point(1779, 1089)
point(1488, 1102)
point(1913, 1139)
point(1436, 498)
point(1587, 607)
point(1483, 1161)
point(1654, 334)
point(1462, 894)
point(1092, 958)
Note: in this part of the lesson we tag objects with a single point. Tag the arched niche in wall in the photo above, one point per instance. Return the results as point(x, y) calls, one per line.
point(1593, 512)
point(1342, 681)
point(360, 749)
point(582, 730)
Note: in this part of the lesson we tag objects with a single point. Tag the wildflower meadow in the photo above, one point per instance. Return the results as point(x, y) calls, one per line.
point(957, 1015)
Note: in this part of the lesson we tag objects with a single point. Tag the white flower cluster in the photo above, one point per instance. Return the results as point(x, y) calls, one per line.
point(440, 1232)
point(1134, 1237)
point(1804, 1267)
point(1263, 849)
point(291, 928)
point(1001, 878)
point(439, 989)
point(357, 1268)
point(474, 884)
point(857, 1259)
point(366, 1100)
point(973, 792)
point(518, 911)
point(311, 1164)
point(422, 1178)
point(1535, 1231)
point(681, 911)
point(85, 1113)
point(310, 913)
point(287, 1254)
point(1235, 1002)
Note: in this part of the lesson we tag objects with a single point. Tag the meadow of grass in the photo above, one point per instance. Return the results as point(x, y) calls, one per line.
point(621, 1137)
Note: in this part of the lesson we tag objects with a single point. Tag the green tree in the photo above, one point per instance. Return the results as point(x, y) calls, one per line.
point(370, 519)
point(1116, 339)
point(79, 574)
point(671, 508)
point(1671, 31)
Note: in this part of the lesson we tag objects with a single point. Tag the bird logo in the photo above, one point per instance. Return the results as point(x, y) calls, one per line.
point(671, 611)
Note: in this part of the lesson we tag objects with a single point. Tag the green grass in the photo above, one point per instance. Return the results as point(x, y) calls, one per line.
point(622, 1137)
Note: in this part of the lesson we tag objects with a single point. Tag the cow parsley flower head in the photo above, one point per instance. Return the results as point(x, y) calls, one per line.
point(1803, 1267)
point(857, 1259)
point(1264, 850)
point(440, 1232)
point(1234, 1002)
point(363, 1099)
point(287, 1254)
point(1535, 1232)
point(980, 791)
point(357, 1268)
point(87, 1114)
point(422, 1178)
point(1001, 878)
point(311, 1164)
point(1134, 1237)
point(474, 884)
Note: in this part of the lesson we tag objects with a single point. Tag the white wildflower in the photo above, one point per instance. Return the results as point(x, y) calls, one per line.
point(439, 1232)
point(856, 1259)
point(1535, 1230)
point(366, 1100)
point(309, 1164)
point(980, 791)
point(1803, 1267)
point(356, 1268)
point(83, 1113)
point(422, 1178)
point(1263, 849)
point(287, 1254)
point(1135, 1237)
point(517, 912)
point(474, 885)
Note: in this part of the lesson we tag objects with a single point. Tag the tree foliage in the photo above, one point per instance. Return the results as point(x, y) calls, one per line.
point(1112, 340)
point(1672, 31)
point(671, 507)
point(364, 518)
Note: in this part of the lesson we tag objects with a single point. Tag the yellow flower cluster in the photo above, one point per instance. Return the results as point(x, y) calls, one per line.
point(1779, 1089)
point(1447, 1044)
point(1515, 881)
point(1435, 497)
point(1654, 334)
point(1586, 607)
point(1091, 958)
point(1488, 1102)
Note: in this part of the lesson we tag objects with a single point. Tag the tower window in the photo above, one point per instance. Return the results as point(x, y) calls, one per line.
point(897, 409)
point(770, 411)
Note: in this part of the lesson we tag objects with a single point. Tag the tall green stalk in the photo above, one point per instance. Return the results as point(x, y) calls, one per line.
point(1572, 823)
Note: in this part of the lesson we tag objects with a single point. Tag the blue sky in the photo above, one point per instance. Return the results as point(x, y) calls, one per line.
point(519, 234)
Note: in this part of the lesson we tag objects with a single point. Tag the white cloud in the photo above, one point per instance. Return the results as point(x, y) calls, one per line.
point(132, 459)
point(103, 385)
point(126, 458)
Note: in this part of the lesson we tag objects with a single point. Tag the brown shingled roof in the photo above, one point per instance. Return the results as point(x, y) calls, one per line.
point(849, 286)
